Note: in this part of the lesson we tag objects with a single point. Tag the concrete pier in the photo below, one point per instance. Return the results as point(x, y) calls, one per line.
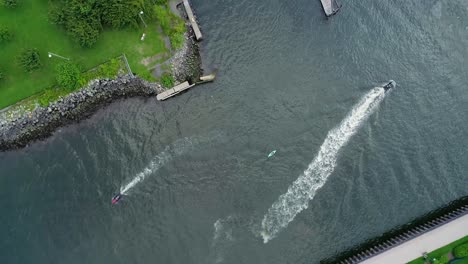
point(207, 78)
point(193, 22)
point(330, 7)
point(174, 90)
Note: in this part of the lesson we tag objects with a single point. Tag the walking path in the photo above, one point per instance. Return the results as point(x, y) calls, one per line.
point(426, 242)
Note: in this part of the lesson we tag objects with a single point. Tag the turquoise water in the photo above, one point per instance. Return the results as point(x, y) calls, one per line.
point(286, 78)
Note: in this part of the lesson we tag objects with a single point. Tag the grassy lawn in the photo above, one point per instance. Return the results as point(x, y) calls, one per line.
point(29, 24)
point(441, 251)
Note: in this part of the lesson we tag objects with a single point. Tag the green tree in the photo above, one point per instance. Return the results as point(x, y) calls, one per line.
point(10, 3)
point(1, 75)
point(86, 34)
point(68, 75)
point(57, 13)
point(80, 18)
point(29, 60)
point(5, 34)
point(123, 13)
point(85, 19)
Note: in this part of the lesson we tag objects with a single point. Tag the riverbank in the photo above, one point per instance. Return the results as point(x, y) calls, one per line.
point(186, 61)
point(43, 121)
point(40, 123)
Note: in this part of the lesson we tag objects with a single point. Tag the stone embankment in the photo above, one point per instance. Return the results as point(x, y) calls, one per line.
point(186, 62)
point(18, 132)
point(43, 121)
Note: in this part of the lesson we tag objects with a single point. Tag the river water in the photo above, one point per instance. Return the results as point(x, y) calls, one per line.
point(195, 171)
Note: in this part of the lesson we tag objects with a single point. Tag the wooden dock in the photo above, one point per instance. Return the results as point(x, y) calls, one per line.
point(184, 86)
point(174, 90)
point(193, 22)
point(330, 7)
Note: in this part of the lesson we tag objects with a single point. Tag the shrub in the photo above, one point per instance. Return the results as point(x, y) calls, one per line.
point(461, 251)
point(146, 75)
point(162, 2)
point(172, 25)
point(29, 60)
point(49, 95)
point(5, 34)
point(1, 75)
point(109, 69)
point(444, 259)
point(167, 80)
point(68, 74)
point(10, 3)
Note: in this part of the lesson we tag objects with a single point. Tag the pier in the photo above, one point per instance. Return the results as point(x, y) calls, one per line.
point(174, 90)
point(184, 86)
point(193, 22)
point(330, 7)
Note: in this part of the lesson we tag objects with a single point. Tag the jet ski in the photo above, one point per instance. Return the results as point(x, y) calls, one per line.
point(391, 84)
point(116, 198)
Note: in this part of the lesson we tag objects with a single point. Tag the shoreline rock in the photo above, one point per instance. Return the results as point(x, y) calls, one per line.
point(186, 61)
point(42, 122)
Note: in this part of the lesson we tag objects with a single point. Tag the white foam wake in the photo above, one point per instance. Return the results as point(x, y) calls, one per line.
point(222, 239)
point(154, 165)
point(297, 198)
point(178, 148)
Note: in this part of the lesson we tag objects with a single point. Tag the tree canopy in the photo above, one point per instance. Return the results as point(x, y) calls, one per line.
point(5, 34)
point(68, 75)
point(9, 3)
point(85, 19)
point(29, 60)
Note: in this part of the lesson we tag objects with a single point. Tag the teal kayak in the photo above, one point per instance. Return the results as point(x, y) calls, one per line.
point(272, 153)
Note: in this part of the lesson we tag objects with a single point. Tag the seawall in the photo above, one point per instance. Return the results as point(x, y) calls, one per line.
point(43, 121)
point(402, 234)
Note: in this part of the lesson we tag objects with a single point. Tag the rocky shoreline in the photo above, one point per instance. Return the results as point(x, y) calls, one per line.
point(44, 121)
point(186, 62)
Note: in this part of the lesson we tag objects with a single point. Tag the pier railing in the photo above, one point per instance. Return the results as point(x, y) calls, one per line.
point(402, 234)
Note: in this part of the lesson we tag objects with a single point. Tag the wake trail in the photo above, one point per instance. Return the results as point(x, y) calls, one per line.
point(154, 165)
point(222, 239)
point(297, 198)
point(178, 148)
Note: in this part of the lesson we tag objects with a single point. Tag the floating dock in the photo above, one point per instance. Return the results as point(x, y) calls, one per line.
point(330, 7)
point(193, 22)
point(174, 90)
point(184, 86)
